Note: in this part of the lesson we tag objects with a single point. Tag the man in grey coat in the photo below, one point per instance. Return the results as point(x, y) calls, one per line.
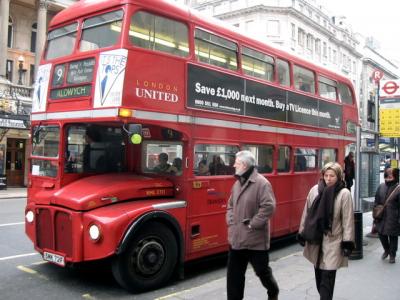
point(250, 206)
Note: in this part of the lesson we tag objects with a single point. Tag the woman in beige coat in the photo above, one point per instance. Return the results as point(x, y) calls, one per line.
point(327, 228)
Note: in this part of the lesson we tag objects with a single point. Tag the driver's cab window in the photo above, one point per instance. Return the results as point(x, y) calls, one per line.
point(161, 157)
point(94, 149)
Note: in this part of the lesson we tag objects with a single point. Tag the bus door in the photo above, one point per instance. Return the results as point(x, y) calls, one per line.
point(209, 191)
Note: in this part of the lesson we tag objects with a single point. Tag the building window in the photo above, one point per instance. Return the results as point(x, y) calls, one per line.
point(301, 36)
point(250, 26)
point(334, 57)
point(32, 74)
point(9, 70)
point(293, 31)
point(273, 28)
point(33, 37)
point(324, 50)
point(329, 54)
point(318, 47)
point(310, 39)
point(10, 33)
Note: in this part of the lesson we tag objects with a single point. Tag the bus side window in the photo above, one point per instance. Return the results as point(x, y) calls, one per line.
point(263, 155)
point(159, 33)
point(162, 157)
point(304, 79)
point(283, 72)
point(305, 159)
point(210, 159)
point(345, 94)
point(257, 64)
point(326, 156)
point(327, 88)
point(214, 50)
point(283, 159)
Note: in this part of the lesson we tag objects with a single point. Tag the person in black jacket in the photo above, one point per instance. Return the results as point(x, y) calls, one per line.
point(389, 227)
point(349, 170)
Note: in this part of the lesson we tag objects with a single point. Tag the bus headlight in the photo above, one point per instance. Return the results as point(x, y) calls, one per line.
point(94, 232)
point(29, 216)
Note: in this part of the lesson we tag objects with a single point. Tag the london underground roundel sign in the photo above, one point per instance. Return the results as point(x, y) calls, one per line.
point(390, 88)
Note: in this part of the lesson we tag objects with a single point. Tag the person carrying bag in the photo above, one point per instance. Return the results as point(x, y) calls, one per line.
point(386, 213)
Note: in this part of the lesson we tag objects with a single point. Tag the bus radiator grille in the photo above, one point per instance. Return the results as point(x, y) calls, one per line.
point(54, 231)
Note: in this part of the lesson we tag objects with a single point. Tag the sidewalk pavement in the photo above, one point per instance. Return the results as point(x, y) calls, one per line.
point(368, 278)
point(13, 193)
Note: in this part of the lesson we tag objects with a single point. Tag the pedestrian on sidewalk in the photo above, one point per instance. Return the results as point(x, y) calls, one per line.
point(250, 207)
point(349, 170)
point(327, 228)
point(388, 226)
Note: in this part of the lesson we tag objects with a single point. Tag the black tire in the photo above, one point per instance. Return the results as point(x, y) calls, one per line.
point(149, 260)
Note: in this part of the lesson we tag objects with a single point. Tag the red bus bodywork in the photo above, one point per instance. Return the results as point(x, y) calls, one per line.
point(155, 92)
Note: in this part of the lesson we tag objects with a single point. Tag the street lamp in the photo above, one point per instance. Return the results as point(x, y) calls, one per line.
point(20, 68)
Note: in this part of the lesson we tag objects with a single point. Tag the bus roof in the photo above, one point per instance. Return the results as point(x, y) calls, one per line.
point(88, 7)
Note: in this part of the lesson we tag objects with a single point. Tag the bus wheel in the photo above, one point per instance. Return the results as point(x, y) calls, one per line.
point(148, 261)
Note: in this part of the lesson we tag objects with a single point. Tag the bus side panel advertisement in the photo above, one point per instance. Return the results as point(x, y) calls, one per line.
point(110, 78)
point(215, 91)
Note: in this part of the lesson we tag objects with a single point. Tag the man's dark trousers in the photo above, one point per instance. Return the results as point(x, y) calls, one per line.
point(237, 265)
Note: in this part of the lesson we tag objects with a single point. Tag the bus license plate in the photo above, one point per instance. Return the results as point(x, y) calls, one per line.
point(54, 258)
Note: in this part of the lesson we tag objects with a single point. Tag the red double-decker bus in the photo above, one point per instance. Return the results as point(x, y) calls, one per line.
point(138, 110)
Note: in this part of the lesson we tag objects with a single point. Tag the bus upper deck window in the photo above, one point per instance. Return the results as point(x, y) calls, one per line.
point(283, 72)
point(257, 64)
point(101, 31)
point(158, 33)
point(345, 94)
point(304, 79)
point(327, 88)
point(215, 50)
point(61, 41)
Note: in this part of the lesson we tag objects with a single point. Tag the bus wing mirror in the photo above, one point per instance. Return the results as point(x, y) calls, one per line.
point(135, 133)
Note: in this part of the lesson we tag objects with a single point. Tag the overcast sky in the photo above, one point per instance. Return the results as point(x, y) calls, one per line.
point(380, 19)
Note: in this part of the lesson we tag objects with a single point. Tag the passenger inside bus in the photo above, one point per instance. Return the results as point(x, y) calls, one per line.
point(266, 168)
point(176, 167)
point(163, 165)
point(229, 169)
point(302, 86)
point(300, 163)
point(217, 166)
point(203, 169)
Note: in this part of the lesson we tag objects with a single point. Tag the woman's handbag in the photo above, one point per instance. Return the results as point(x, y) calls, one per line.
point(377, 211)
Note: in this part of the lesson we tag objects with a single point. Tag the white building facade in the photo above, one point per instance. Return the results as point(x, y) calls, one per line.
point(23, 28)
